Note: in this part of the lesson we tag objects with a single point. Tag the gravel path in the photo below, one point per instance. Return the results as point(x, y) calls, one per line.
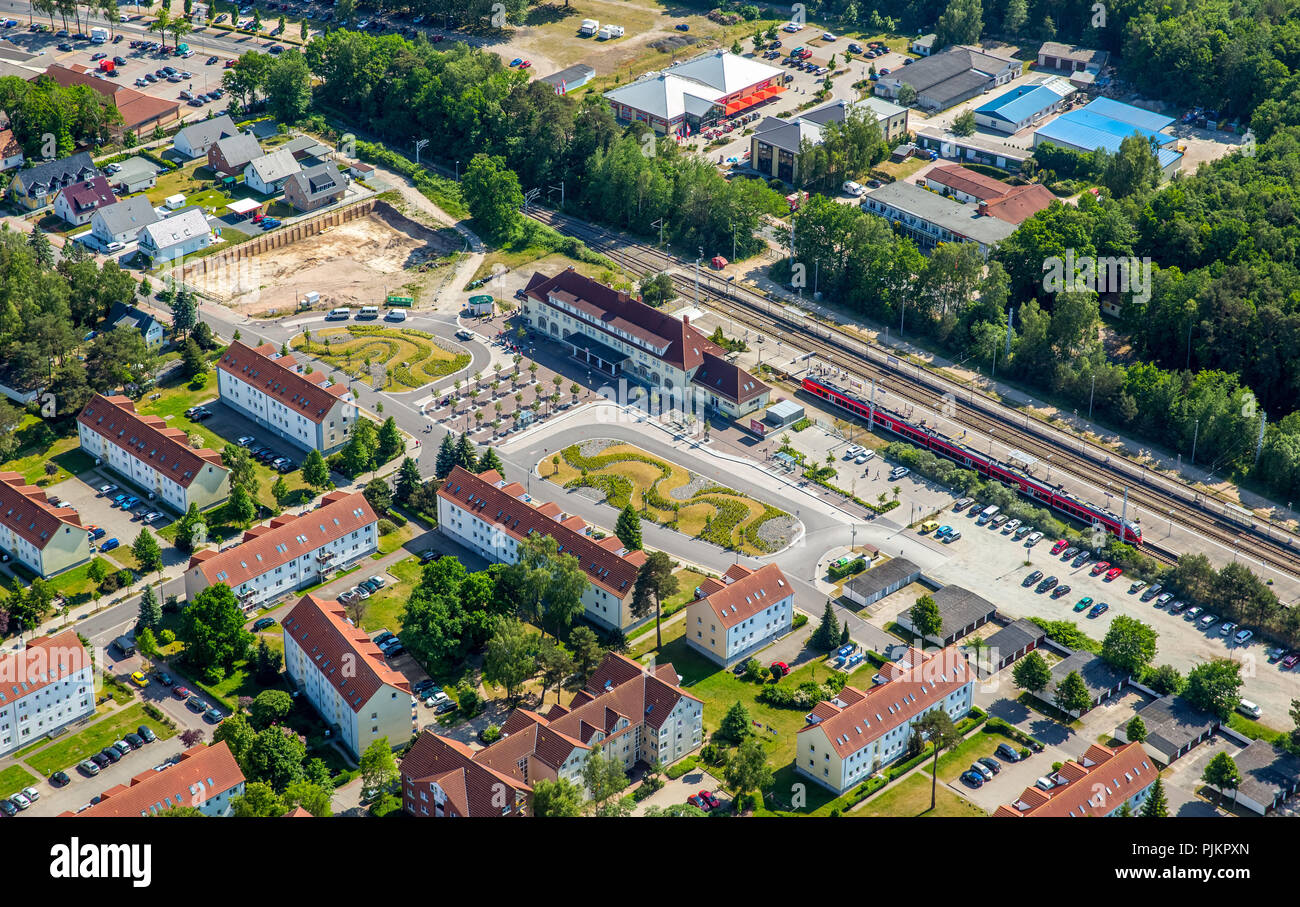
point(778, 531)
point(696, 484)
point(595, 446)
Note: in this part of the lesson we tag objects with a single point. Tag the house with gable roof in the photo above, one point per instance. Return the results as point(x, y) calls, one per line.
point(739, 614)
point(1099, 783)
point(44, 538)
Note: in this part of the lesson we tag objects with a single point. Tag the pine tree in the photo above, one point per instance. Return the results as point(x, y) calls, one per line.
point(466, 458)
point(828, 631)
point(1125, 811)
point(39, 243)
point(844, 634)
point(446, 457)
point(150, 609)
point(490, 460)
point(408, 479)
point(389, 442)
point(1156, 805)
point(735, 724)
point(628, 528)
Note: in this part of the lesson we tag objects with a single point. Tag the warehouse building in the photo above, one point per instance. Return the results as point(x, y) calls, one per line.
point(774, 146)
point(1024, 106)
point(870, 587)
point(950, 77)
point(961, 611)
point(1105, 123)
point(930, 219)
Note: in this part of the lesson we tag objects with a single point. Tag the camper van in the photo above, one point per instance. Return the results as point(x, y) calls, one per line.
point(987, 514)
point(368, 311)
point(339, 315)
point(588, 28)
point(610, 31)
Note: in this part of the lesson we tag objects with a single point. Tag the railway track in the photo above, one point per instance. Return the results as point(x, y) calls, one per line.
point(1150, 495)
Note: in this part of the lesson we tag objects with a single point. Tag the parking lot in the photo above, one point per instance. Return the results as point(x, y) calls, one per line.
point(82, 493)
point(231, 426)
point(676, 791)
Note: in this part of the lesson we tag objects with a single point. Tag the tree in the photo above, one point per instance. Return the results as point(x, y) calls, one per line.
point(1214, 686)
point(150, 608)
point(192, 362)
point(1125, 810)
point(510, 658)
point(1294, 712)
point(259, 801)
point(926, 619)
point(191, 530)
point(657, 289)
point(587, 650)
point(379, 495)
point(212, 631)
point(964, 124)
point(605, 778)
point(748, 769)
point(466, 458)
point(490, 460)
point(145, 642)
point(280, 491)
point(446, 457)
point(288, 86)
point(275, 757)
point(147, 551)
point(315, 471)
point(906, 94)
point(1129, 645)
point(1166, 680)
point(937, 728)
point(736, 724)
point(1156, 805)
point(1133, 169)
point(828, 631)
point(243, 469)
point(560, 798)
point(1222, 773)
point(185, 312)
point(1031, 673)
point(960, 23)
point(359, 453)
point(42, 250)
point(1072, 694)
point(192, 737)
point(493, 196)
point(267, 662)
point(1136, 730)
point(1013, 19)
point(628, 528)
point(655, 581)
point(240, 507)
point(378, 767)
point(313, 796)
point(389, 441)
point(556, 664)
point(408, 480)
point(270, 707)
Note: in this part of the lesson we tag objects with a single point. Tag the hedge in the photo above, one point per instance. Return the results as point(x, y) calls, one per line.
point(677, 769)
point(849, 569)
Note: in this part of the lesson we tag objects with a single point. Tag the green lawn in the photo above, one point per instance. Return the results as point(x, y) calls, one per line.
point(687, 581)
point(391, 541)
point(68, 751)
point(37, 446)
point(241, 680)
point(977, 746)
point(911, 797)
point(384, 608)
point(15, 778)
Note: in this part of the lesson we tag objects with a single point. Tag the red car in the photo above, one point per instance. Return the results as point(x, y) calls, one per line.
point(1060, 546)
point(707, 800)
point(1113, 573)
point(525, 64)
point(780, 669)
point(1099, 567)
point(180, 692)
point(1291, 661)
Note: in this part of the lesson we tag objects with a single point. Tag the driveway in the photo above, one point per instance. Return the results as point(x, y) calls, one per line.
point(80, 789)
point(1007, 784)
point(677, 791)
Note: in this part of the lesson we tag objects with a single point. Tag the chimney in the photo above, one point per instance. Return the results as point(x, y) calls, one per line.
point(983, 208)
point(686, 319)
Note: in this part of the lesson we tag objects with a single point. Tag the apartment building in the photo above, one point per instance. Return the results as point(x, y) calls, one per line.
point(617, 336)
point(736, 616)
point(290, 552)
point(276, 392)
point(1099, 783)
point(492, 517)
point(345, 677)
point(850, 737)
point(206, 777)
point(158, 459)
point(44, 687)
point(43, 538)
point(441, 779)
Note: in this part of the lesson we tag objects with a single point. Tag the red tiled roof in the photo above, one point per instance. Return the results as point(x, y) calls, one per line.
point(9, 146)
point(204, 772)
point(747, 594)
point(90, 195)
point(25, 510)
point(1019, 204)
point(297, 813)
point(620, 686)
point(277, 377)
point(147, 438)
point(498, 506)
point(277, 543)
point(970, 182)
point(613, 310)
point(471, 787)
point(136, 107)
point(872, 713)
point(44, 661)
point(1095, 785)
point(726, 379)
point(528, 737)
point(341, 652)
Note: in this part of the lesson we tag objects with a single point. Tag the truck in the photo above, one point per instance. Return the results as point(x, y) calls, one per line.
point(588, 28)
point(98, 35)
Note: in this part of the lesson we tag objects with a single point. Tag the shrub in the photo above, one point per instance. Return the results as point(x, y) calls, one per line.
point(800, 620)
point(677, 769)
point(386, 526)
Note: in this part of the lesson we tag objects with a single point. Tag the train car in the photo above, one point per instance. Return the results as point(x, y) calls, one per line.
point(1053, 496)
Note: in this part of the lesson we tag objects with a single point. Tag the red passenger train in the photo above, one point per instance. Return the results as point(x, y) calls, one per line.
point(1051, 495)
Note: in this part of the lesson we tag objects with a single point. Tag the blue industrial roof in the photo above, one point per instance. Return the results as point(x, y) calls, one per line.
point(1020, 104)
point(1127, 113)
point(1085, 129)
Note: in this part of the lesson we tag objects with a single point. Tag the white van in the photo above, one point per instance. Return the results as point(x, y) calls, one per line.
point(987, 514)
point(368, 311)
point(1249, 709)
point(339, 315)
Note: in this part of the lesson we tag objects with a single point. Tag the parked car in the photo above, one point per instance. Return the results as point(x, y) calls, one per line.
point(146, 733)
point(1100, 567)
point(7, 806)
point(1243, 636)
point(59, 779)
point(898, 472)
point(1114, 573)
point(984, 771)
point(1081, 559)
point(138, 678)
point(1083, 603)
point(1069, 553)
point(163, 677)
point(109, 545)
point(1227, 628)
point(263, 622)
point(135, 741)
point(1008, 752)
point(212, 715)
point(972, 778)
point(1164, 599)
point(20, 800)
point(1098, 610)
point(1150, 593)
point(1208, 621)
point(1032, 539)
point(1290, 661)
point(111, 754)
point(960, 504)
point(1059, 546)
point(1060, 592)
point(196, 704)
point(1032, 578)
point(1193, 612)
point(88, 768)
point(1011, 526)
point(1046, 584)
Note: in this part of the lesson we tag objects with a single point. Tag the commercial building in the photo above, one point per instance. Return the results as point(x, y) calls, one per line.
point(43, 538)
point(44, 687)
point(1018, 204)
point(268, 173)
point(77, 203)
point(290, 552)
point(1269, 776)
point(991, 197)
point(184, 233)
point(1174, 727)
point(492, 517)
point(141, 113)
point(617, 336)
point(693, 94)
point(884, 579)
point(38, 186)
point(949, 77)
point(1024, 106)
point(346, 678)
point(273, 390)
point(568, 79)
point(315, 187)
point(924, 45)
point(1098, 784)
point(153, 457)
point(150, 328)
point(734, 617)
point(930, 219)
point(1104, 124)
point(207, 778)
point(123, 221)
point(195, 139)
point(961, 611)
point(230, 155)
point(774, 147)
point(1081, 65)
point(972, 149)
point(851, 736)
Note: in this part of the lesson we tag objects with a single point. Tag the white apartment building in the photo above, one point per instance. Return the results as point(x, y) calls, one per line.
point(43, 538)
point(290, 552)
point(206, 777)
point(274, 391)
point(46, 686)
point(1098, 784)
point(738, 615)
point(153, 457)
point(492, 517)
point(345, 677)
point(850, 737)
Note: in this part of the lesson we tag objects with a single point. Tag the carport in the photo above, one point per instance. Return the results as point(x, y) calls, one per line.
point(243, 207)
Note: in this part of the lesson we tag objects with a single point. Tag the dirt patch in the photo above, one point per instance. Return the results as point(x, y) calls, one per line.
point(673, 42)
point(357, 263)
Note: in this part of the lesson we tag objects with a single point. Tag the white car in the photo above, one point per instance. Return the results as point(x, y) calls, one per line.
point(1011, 526)
point(1243, 637)
point(852, 452)
point(792, 27)
point(854, 189)
point(395, 315)
point(1033, 539)
point(20, 801)
point(31, 793)
point(827, 36)
point(107, 489)
point(864, 457)
point(361, 592)
point(982, 770)
point(464, 334)
point(898, 472)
